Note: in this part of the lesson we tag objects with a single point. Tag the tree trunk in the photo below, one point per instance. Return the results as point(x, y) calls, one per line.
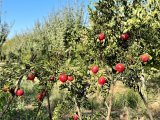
point(49, 107)
point(146, 105)
point(110, 102)
point(78, 109)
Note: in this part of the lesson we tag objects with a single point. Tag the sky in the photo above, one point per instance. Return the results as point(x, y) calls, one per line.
point(22, 14)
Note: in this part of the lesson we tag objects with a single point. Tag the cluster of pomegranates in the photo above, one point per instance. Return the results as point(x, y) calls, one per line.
point(102, 80)
point(13, 91)
point(31, 76)
point(119, 67)
point(63, 77)
point(124, 36)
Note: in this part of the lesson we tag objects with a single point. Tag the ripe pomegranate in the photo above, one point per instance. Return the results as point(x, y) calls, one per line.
point(101, 37)
point(63, 77)
point(52, 78)
point(19, 92)
point(75, 117)
point(70, 78)
point(144, 58)
point(40, 96)
point(124, 36)
point(120, 67)
point(101, 81)
point(31, 76)
point(94, 69)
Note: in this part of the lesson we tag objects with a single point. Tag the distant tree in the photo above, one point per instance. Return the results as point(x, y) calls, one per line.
point(4, 30)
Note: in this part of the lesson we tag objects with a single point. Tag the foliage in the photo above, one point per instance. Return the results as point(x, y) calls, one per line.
point(136, 19)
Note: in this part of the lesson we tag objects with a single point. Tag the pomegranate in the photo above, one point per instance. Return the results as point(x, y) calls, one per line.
point(70, 78)
point(75, 117)
point(31, 76)
point(124, 36)
point(63, 77)
point(144, 58)
point(94, 69)
point(101, 37)
point(19, 92)
point(102, 81)
point(40, 96)
point(120, 67)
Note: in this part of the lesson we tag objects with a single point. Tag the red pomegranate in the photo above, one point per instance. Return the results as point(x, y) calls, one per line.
point(63, 77)
point(101, 37)
point(19, 92)
point(40, 96)
point(120, 67)
point(95, 69)
point(75, 117)
point(144, 58)
point(101, 81)
point(124, 36)
point(70, 78)
point(31, 76)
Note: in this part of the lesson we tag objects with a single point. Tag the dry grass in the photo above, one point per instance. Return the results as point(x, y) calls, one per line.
point(119, 88)
point(154, 106)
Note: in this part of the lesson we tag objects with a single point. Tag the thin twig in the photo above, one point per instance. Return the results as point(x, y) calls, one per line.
point(39, 107)
point(49, 107)
point(146, 105)
point(78, 109)
point(100, 52)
